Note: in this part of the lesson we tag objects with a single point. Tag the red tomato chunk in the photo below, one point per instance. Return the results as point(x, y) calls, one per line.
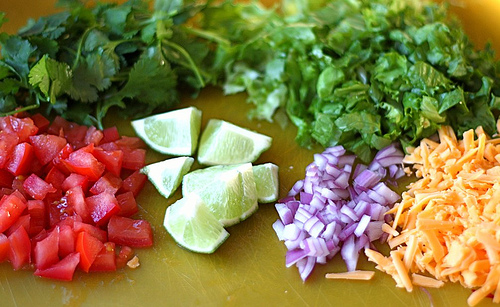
point(67, 197)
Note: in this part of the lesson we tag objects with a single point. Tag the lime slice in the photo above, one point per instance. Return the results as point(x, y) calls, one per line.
point(266, 182)
point(224, 143)
point(172, 133)
point(193, 226)
point(167, 175)
point(228, 191)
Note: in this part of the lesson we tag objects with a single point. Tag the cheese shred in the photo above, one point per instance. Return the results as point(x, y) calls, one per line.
point(447, 224)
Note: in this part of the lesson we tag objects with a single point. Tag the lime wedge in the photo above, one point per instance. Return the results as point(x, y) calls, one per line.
point(167, 175)
point(173, 133)
point(228, 191)
point(193, 226)
point(224, 143)
point(266, 182)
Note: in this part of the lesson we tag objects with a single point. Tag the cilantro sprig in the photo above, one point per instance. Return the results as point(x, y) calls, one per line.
point(85, 60)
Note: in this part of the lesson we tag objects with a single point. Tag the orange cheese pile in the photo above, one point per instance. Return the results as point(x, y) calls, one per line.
point(447, 224)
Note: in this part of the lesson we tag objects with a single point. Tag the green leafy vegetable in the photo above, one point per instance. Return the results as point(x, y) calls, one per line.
point(85, 60)
point(360, 73)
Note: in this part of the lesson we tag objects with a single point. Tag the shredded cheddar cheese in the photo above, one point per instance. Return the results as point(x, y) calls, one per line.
point(351, 275)
point(447, 224)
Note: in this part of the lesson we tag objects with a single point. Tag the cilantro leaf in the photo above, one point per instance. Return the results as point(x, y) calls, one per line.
point(151, 81)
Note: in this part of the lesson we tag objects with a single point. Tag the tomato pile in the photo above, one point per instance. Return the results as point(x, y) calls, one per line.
point(67, 196)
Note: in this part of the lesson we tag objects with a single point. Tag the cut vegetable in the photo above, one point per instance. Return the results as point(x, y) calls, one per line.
point(224, 143)
point(227, 190)
point(167, 175)
point(332, 212)
point(266, 182)
point(174, 133)
point(193, 226)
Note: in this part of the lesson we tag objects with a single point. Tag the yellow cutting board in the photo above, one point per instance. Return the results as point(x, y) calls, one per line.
point(249, 268)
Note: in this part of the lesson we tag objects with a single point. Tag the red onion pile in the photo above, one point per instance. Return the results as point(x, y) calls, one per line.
point(338, 206)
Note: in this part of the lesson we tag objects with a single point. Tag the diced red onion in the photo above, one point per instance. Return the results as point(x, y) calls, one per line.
point(336, 212)
point(284, 212)
point(349, 212)
point(305, 198)
point(296, 188)
point(314, 226)
point(294, 255)
point(349, 253)
point(367, 179)
point(346, 160)
point(363, 223)
point(291, 232)
point(278, 228)
point(383, 190)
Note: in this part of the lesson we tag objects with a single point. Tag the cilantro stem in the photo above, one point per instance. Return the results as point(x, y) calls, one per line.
point(80, 45)
point(208, 35)
point(186, 55)
point(23, 109)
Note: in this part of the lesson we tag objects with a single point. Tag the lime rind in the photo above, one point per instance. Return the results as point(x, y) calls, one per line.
point(167, 175)
point(266, 182)
point(173, 133)
point(229, 191)
point(193, 226)
point(223, 143)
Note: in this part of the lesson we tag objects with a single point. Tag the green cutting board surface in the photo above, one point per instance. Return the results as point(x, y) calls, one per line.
point(249, 268)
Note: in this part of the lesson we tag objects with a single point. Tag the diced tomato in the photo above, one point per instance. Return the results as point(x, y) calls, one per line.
point(36, 210)
point(5, 179)
point(22, 127)
point(17, 185)
point(4, 247)
point(58, 126)
point(112, 159)
point(102, 206)
point(67, 240)
point(134, 183)
point(8, 142)
point(107, 183)
point(126, 253)
point(75, 134)
point(76, 200)
point(110, 135)
point(128, 205)
point(88, 246)
point(58, 160)
point(63, 270)
point(47, 146)
point(134, 159)
point(93, 136)
point(105, 261)
point(11, 208)
point(41, 122)
point(84, 163)
point(59, 210)
point(21, 159)
point(55, 177)
point(20, 248)
point(96, 232)
point(130, 142)
point(37, 188)
point(46, 252)
point(22, 221)
point(110, 146)
point(130, 232)
point(75, 180)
